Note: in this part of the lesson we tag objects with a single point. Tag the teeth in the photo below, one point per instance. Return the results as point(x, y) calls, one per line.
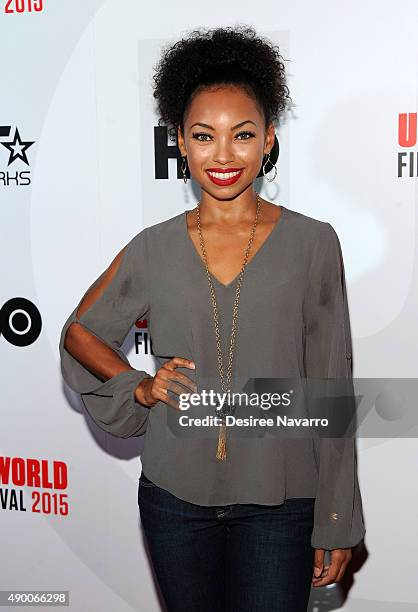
point(224, 175)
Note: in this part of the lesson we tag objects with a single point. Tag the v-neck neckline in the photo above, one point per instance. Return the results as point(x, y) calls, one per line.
point(263, 246)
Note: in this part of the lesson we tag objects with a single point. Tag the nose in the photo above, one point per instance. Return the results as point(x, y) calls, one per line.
point(223, 153)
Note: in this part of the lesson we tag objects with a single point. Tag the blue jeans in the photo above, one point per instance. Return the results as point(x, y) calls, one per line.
point(238, 558)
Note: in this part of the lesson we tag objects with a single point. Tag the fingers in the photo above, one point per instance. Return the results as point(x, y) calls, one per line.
point(159, 392)
point(180, 378)
point(342, 571)
point(167, 379)
point(340, 557)
point(176, 362)
point(344, 565)
point(318, 562)
point(175, 387)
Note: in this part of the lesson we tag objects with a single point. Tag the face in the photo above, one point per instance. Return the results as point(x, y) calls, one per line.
point(224, 140)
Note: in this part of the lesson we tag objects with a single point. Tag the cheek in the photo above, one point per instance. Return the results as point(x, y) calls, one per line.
point(250, 153)
point(198, 156)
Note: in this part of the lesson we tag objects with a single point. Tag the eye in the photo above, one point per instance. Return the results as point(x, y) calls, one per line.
point(204, 137)
point(197, 134)
point(246, 133)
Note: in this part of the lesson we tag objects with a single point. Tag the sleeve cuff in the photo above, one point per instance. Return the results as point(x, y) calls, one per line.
point(114, 408)
point(111, 404)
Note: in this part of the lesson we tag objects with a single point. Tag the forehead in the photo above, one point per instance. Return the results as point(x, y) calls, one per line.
point(222, 105)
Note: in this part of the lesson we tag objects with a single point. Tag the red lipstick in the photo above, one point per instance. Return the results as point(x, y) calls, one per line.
point(223, 169)
point(224, 181)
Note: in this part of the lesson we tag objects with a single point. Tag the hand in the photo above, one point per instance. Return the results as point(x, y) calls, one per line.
point(153, 389)
point(340, 558)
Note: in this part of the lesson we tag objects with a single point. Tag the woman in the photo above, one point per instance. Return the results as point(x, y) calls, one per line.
point(234, 289)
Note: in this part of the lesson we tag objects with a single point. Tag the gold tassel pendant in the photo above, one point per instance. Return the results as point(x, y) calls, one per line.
point(221, 452)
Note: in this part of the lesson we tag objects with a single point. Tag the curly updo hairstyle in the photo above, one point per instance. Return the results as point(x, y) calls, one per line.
point(227, 55)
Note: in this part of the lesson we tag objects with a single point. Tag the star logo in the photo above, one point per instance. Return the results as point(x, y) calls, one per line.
point(17, 148)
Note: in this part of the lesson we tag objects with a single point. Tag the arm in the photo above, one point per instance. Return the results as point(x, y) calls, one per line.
point(328, 354)
point(92, 362)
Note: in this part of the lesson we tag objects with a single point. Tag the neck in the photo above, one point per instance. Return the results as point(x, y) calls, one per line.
point(241, 209)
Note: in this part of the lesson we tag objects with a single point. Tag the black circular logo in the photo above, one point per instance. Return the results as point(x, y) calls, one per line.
point(20, 321)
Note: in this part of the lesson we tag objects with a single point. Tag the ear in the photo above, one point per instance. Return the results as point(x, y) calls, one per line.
point(180, 142)
point(269, 139)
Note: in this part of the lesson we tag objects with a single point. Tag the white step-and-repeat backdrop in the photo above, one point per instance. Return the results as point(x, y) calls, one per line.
point(77, 180)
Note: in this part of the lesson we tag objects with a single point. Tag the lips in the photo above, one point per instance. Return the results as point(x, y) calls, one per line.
point(232, 175)
point(222, 170)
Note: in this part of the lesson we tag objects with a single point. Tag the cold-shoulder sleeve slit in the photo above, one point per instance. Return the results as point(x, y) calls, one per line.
point(112, 403)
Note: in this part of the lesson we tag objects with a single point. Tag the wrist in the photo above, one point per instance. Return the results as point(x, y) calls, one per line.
point(140, 391)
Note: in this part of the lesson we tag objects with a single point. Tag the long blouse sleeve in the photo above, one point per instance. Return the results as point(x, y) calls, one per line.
point(112, 403)
point(338, 519)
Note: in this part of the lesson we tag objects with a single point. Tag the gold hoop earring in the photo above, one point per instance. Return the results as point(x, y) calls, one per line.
point(183, 169)
point(264, 169)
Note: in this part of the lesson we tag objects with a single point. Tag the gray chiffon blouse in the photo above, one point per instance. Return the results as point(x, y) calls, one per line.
point(293, 323)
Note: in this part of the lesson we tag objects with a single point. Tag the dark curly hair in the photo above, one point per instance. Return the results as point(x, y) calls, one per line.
point(227, 55)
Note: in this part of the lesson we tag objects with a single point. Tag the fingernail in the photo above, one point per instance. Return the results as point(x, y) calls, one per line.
point(193, 364)
point(317, 572)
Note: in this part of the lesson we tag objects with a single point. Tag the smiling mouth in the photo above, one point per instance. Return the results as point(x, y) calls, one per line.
point(224, 178)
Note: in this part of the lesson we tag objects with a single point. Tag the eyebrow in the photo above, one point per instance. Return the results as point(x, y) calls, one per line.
point(232, 128)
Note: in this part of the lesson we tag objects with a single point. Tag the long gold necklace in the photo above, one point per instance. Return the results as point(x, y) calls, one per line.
point(228, 406)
